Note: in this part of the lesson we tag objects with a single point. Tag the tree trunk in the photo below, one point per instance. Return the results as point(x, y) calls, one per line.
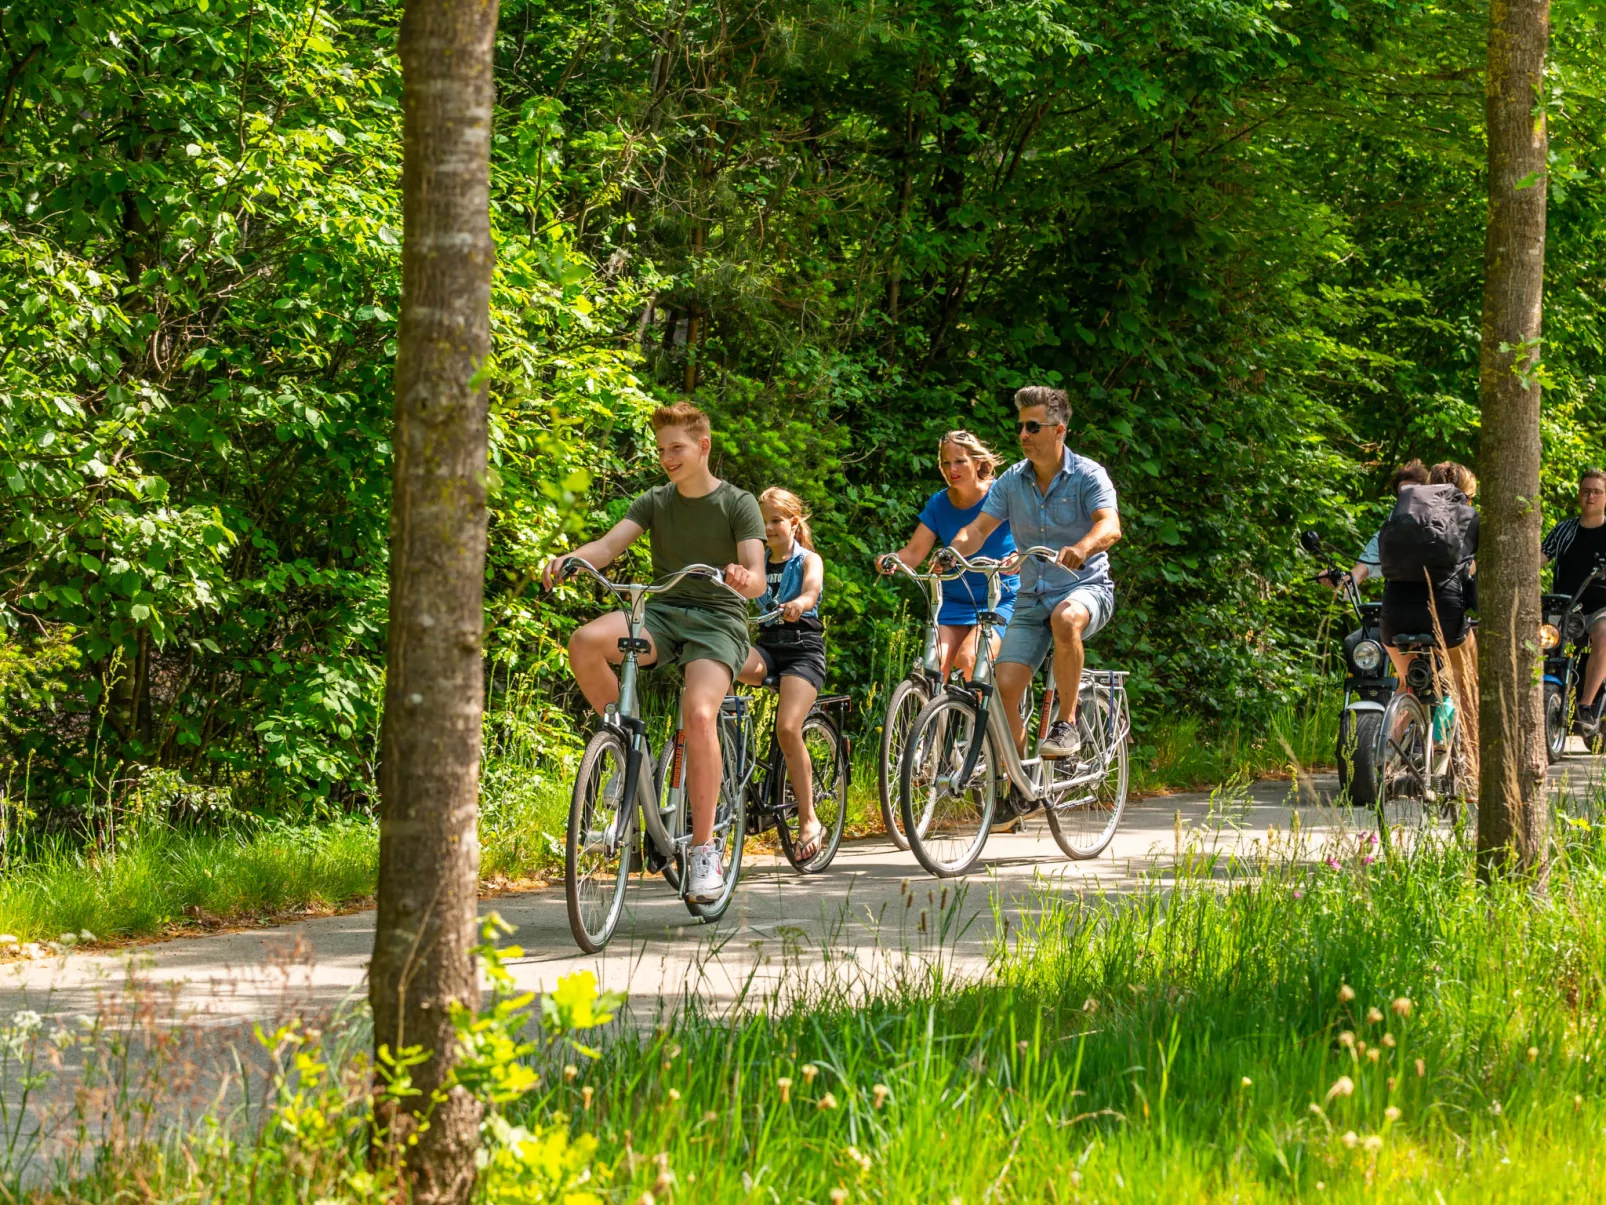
point(1512, 817)
point(434, 691)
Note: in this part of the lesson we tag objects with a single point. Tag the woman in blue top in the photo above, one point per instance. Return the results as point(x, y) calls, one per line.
point(969, 468)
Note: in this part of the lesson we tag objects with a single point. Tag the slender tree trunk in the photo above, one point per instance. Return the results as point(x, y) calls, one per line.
point(1512, 813)
point(434, 686)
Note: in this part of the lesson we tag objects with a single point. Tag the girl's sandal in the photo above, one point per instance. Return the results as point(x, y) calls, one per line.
point(808, 848)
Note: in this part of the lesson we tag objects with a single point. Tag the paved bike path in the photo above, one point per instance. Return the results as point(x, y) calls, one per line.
point(873, 916)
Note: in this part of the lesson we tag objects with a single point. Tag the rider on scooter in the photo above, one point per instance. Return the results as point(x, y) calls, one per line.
point(1575, 545)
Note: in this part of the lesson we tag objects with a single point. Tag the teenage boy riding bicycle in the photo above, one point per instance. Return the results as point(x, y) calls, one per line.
point(1059, 499)
point(693, 519)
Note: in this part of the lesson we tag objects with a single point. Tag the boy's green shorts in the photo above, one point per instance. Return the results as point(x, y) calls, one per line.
point(683, 634)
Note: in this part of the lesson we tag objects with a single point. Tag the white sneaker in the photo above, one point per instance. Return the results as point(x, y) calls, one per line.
point(705, 874)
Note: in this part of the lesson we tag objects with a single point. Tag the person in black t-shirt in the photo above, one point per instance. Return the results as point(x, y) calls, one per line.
point(1575, 545)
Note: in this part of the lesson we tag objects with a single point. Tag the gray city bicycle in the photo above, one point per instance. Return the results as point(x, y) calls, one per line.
point(612, 829)
point(905, 700)
point(960, 753)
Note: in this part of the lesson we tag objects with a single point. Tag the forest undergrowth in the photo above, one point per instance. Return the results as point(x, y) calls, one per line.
point(1301, 1024)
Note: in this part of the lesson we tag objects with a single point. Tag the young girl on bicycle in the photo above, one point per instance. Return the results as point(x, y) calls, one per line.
point(969, 468)
point(791, 648)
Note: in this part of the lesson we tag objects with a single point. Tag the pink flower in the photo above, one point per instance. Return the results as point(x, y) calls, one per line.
point(1333, 862)
point(1368, 860)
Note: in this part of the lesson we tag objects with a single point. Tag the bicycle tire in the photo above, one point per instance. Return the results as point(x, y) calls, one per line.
point(895, 726)
point(830, 776)
point(730, 826)
point(596, 864)
point(1556, 726)
point(1085, 828)
point(938, 743)
point(1404, 775)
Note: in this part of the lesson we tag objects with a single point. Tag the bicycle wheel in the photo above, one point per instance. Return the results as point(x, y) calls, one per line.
point(947, 821)
point(1084, 824)
point(730, 818)
point(829, 760)
point(905, 702)
point(1405, 743)
point(596, 862)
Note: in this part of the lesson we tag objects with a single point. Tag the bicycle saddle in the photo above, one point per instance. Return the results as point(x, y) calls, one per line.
point(1415, 643)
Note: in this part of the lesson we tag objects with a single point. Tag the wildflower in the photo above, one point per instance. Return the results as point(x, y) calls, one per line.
point(1315, 1108)
point(1360, 1047)
point(1345, 993)
point(569, 1072)
point(1374, 1015)
point(1368, 859)
point(1347, 1040)
point(838, 1195)
point(785, 1085)
point(585, 1096)
point(880, 1092)
point(1076, 1178)
point(1388, 1040)
point(1421, 1068)
point(1320, 1186)
point(1373, 1054)
point(646, 1198)
point(1392, 1081)
point(1374, 1143)
point(1333, 863)
point(674, 1094)
point(666, 1178)
point(1392, 1113)
point(1401, 1006)
point(1245, 1082)
point(1578, 1104)
point(828, 1101)
point(1342, 1086)
point(1299, 895)
point(1351, 1139)
point(1090, 1005)
point(85, 935)
point(1023, 1046)
point(1533, 1053)
point(809, 1072)
point(68, 939)
point(859, 1157)
point(710, 1115)
point(26, 1021)
point(1495, 1109)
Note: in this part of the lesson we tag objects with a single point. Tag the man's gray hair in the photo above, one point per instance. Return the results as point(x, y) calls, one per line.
point(1053, 400)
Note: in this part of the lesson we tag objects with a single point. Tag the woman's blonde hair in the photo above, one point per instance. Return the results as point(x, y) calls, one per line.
point(790, 505)
point(987, 461)
point(1448, 472)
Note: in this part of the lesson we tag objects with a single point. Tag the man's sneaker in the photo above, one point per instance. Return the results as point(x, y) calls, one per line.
point(1063, 740)
point(705, 874)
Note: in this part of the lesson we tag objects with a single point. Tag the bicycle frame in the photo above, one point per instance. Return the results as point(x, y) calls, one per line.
point(930, 663)
point(1026, 773)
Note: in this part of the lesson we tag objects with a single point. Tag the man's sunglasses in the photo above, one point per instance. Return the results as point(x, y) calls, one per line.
point(1033, 427)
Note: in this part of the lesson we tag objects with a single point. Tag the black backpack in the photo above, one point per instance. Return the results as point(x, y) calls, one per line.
point(1433, 530)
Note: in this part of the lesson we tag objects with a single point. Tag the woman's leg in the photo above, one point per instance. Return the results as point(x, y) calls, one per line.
point(956, 643)
point(797, 696)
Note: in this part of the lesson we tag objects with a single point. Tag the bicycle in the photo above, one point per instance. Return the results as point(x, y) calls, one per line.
point(923, 680)
point(767, 797)
point(616, 778)
point(1422, 754)
point(960, 749)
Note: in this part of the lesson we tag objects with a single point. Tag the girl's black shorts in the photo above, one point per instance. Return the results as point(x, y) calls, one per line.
point(801, 656)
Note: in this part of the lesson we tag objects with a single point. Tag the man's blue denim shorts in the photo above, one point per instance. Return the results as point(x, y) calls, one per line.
point(1028, 639)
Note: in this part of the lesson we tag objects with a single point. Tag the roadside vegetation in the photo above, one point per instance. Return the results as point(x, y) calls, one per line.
point(167, 869)
point(1305, 1024)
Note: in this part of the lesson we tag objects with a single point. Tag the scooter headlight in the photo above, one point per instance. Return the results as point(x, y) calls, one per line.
point(1368, 655)
point(1549, 636)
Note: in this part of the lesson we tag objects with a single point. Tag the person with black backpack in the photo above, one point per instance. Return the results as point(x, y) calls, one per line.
point(1428, 549)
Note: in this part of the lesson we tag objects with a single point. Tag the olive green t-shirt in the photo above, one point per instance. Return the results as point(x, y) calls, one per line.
point(698, 531)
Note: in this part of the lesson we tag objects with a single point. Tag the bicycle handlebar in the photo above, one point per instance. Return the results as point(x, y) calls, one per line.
point(897, 566)
point(573, 566)
point(991, 565)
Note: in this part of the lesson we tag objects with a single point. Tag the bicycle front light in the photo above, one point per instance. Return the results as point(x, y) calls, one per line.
point(1368, 655)
point(1549, 636)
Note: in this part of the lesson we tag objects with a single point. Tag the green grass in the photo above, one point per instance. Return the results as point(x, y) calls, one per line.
point(1190, 1044)
point(1234, 1032)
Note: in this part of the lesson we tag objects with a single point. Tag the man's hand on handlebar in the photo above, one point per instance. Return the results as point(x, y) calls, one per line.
point(1331, 578)
point(1071, 558)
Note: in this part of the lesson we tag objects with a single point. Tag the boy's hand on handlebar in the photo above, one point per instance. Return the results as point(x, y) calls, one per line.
point(552, 572)
point(740, 578)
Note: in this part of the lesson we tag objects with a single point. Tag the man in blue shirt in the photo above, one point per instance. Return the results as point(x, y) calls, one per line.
point(1059, 499)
